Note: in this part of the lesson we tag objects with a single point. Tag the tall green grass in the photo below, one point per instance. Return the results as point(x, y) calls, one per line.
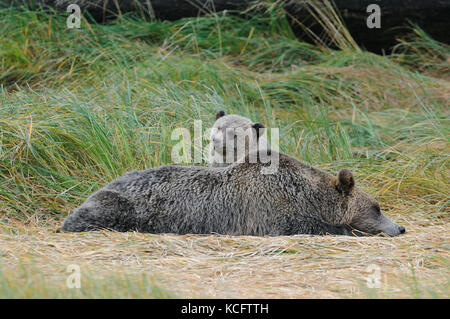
point(79, 107)
point(421, 52)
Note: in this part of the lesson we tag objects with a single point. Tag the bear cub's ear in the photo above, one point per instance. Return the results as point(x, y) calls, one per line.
point(345, 181)
point(220, 114)
point(259, 129)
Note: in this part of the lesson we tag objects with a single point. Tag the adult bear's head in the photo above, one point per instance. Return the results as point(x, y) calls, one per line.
point(362, 212)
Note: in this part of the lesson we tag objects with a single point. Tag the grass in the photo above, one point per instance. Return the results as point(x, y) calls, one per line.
point(80, 107)
point(29, 282)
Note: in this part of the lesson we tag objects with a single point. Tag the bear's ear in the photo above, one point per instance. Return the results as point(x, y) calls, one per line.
point(259, 129)
point(345, 181)
point(220, 114)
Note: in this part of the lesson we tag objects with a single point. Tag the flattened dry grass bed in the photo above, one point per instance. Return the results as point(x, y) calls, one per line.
point(415, 265)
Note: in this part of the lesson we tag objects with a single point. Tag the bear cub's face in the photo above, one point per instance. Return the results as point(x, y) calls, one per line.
point(234, 134)
point(363, 212)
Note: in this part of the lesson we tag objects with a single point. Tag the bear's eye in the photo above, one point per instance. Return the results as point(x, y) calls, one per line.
point(377, 209)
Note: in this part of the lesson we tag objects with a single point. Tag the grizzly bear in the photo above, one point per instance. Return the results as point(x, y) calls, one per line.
point(234, 200)
point(232, 137)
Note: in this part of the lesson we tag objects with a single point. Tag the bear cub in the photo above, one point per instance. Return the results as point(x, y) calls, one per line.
point(233, 137)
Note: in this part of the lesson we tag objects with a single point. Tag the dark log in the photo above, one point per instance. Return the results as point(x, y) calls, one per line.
point(433, 16)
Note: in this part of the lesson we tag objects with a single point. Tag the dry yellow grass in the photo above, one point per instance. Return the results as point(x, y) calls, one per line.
point(215, 266)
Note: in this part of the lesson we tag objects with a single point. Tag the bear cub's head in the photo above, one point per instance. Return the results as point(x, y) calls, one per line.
point(232, 137)
point(362, 211)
